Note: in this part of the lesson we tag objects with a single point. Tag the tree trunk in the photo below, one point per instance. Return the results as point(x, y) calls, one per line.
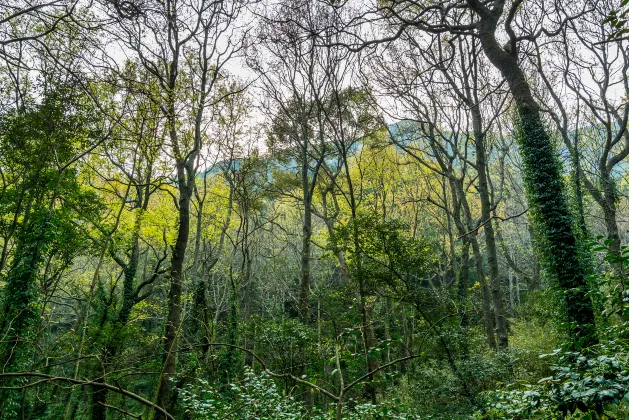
point(174, 295)
point(488, 228)
point(609, 212)
point(486, 296)
point(306, 187)
point(463, 280)
point(543, 179)
point(304, 286)
point(468, 232)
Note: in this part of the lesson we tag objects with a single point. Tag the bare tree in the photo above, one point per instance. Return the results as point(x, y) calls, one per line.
point(450, 104)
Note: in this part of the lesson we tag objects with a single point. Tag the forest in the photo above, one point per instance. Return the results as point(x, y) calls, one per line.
point(314, 209)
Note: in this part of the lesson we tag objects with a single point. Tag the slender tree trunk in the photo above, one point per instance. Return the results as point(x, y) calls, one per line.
point(130, 271)
point(338, 251)
point(490, 239)
point(577, 181)
point(485, 294)
point(306, 189)
point(609, 213)
point(468, 232)
point(304, 286)
point(174, 295)
point(463, 279)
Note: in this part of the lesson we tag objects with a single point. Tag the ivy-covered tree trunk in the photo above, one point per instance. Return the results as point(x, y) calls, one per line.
point(112, 346)
point(18, 311)
point(542, 176)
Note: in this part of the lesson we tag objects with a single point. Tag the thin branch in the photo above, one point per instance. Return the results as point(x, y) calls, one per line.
point(50, 379)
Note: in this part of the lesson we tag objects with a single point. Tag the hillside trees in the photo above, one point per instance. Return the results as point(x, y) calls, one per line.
point(130, 171)
point(226, 209)
point(294, 82)
point(542, 171)
point(432, 136)
point(594, 71)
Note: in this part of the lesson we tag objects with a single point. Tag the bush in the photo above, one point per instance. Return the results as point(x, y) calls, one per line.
point(256, 398)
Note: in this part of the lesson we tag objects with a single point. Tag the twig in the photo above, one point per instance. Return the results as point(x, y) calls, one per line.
point(502, 219)
point(126, 413)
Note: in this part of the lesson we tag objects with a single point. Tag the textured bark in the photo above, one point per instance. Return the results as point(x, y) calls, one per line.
point(174, 295)
point(186, 177)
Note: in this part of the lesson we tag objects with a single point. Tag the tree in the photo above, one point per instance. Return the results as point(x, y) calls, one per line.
point(592, 116)
point(26, 22)
point(130, 163)
point(45, 202)
point(194, 59)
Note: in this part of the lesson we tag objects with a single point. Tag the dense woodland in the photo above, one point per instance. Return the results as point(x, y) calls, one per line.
point(325, 209)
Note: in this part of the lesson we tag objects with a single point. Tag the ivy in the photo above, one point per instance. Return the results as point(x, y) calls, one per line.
point(552, 218)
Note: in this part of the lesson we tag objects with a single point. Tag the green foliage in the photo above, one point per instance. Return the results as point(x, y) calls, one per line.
point(256, 397)
point(593, 384)
point(552, 217)
point(587, 384)
point(387, 254)
point(50, 201)
point(333, 186)
point(42, 212)
point(434, 391)
point(618, 19)
point(610, 288)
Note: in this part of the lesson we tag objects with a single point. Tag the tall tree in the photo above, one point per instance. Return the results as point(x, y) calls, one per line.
point(190, 43)
point(592, 122)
